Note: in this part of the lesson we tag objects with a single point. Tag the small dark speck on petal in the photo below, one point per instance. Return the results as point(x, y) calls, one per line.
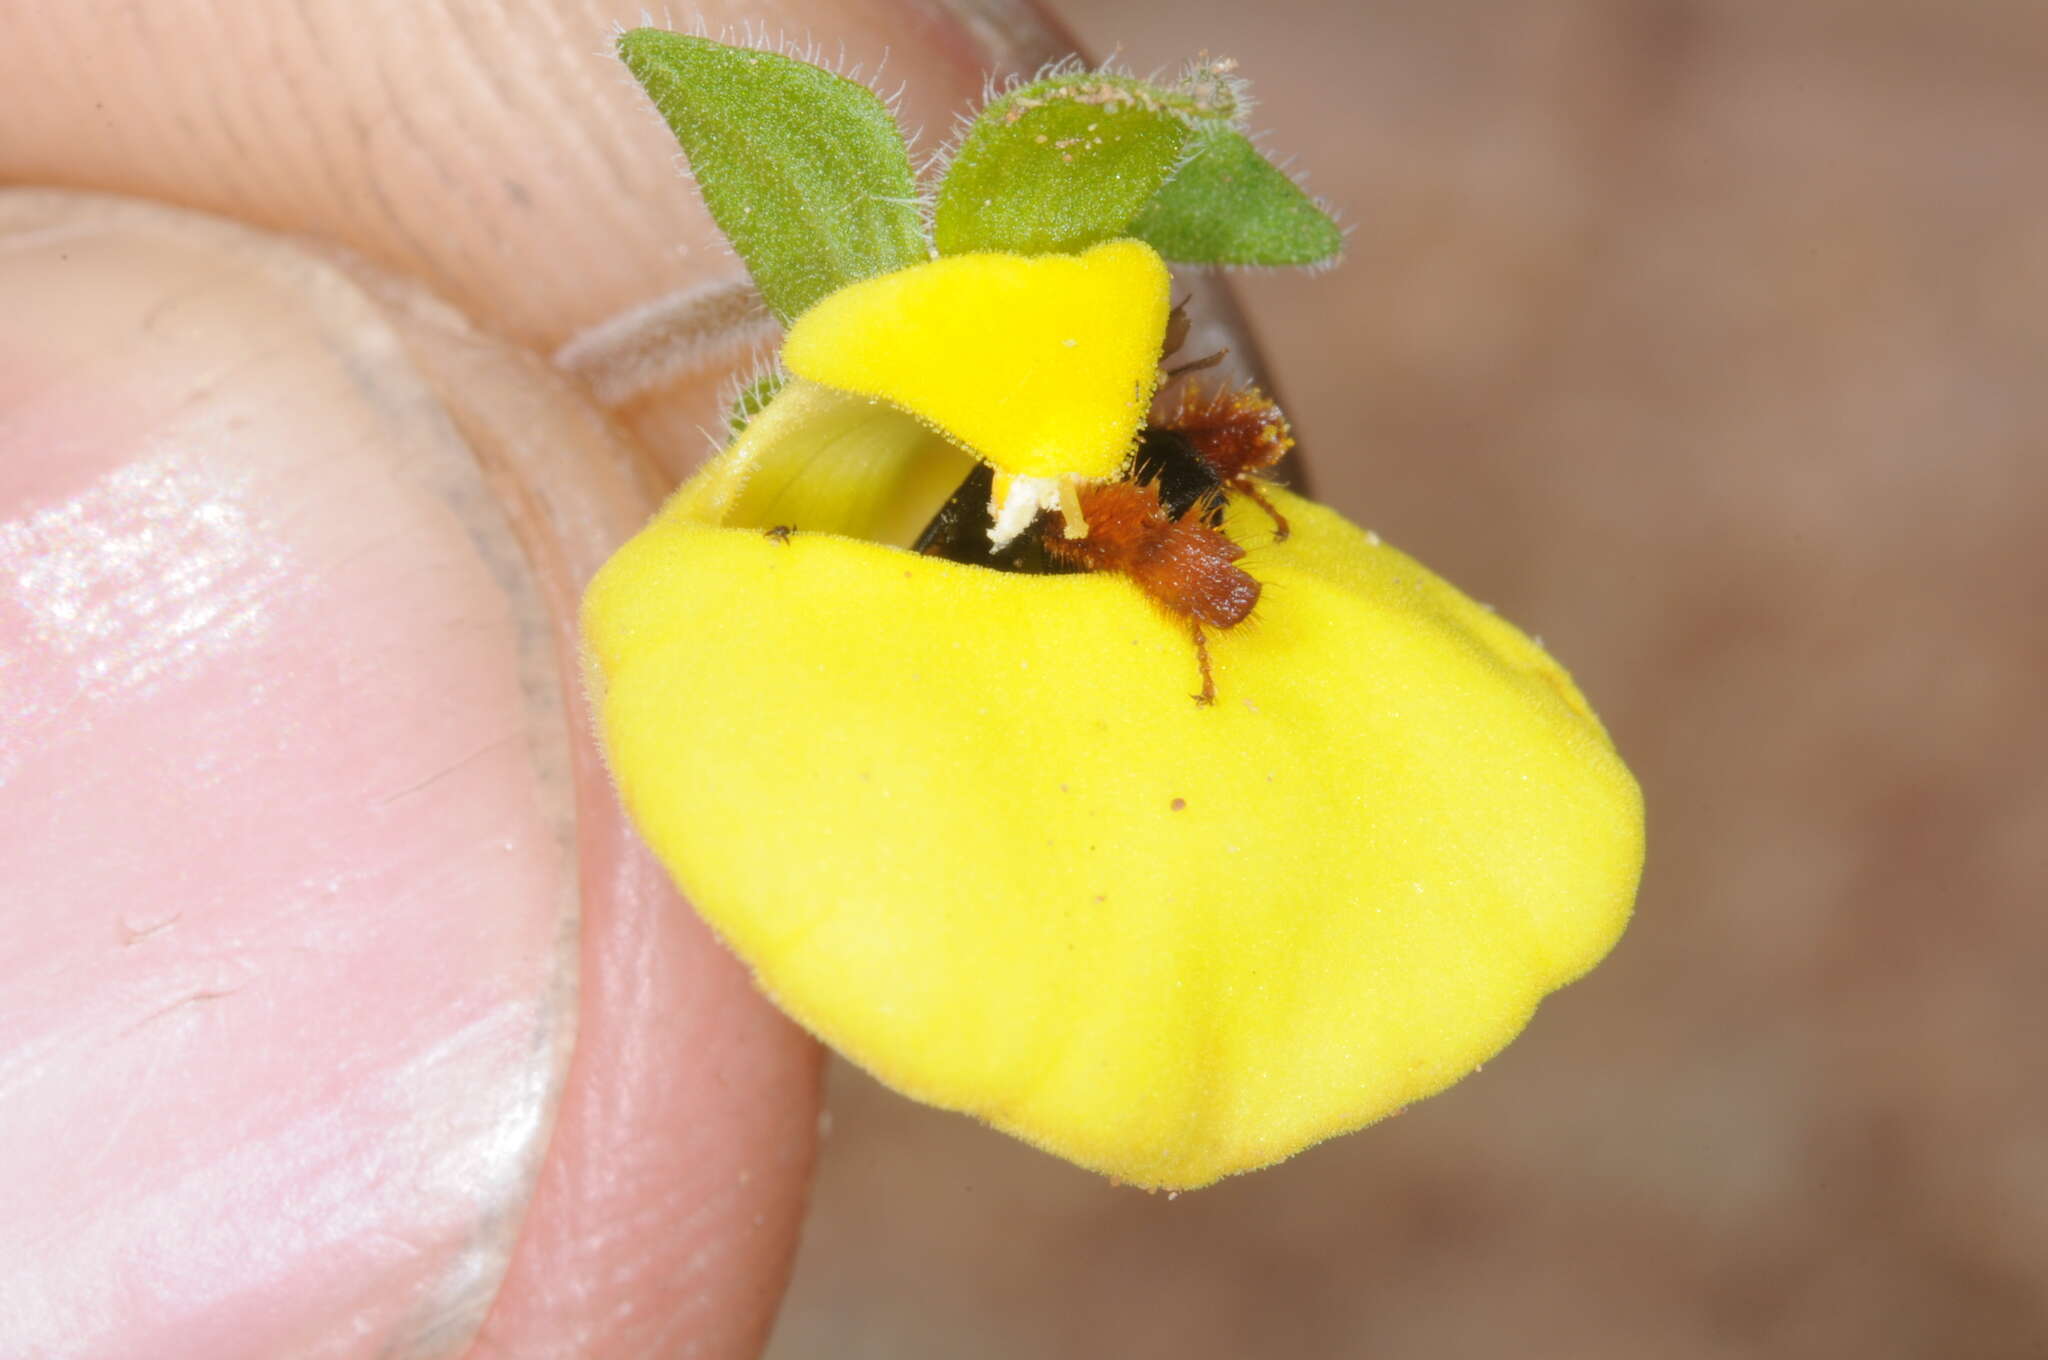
point(1178, 803)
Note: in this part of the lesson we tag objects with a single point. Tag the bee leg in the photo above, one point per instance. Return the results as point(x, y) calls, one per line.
point(1208, 694)
point(1196, 365)
point(1247, 487)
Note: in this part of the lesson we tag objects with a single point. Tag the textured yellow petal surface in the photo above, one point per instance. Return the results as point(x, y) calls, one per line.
point(1041, 364)
point(820, 459)
point(970, 828)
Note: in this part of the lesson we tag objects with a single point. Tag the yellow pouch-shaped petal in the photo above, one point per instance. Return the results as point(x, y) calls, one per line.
point(1043, 365)
point(969, 827)
point(819, 459)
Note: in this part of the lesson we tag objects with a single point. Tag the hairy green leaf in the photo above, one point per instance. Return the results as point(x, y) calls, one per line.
point(1060, 165)
point(1230, 205)
point(804, 171)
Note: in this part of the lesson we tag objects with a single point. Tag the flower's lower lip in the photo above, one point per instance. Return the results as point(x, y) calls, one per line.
point(1033, 881)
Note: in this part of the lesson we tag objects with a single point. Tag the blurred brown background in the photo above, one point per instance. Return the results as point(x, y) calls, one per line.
point(1707, 341)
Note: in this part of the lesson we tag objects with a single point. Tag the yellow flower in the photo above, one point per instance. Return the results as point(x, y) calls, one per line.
point(968, 826)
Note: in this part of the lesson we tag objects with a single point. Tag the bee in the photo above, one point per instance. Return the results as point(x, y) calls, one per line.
point(1161, 524)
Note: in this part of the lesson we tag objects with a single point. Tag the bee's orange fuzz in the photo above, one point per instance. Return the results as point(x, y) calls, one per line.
point(1183, 564)
point(1237, 431)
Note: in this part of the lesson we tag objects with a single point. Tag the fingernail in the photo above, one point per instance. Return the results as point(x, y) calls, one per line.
point(290, 984)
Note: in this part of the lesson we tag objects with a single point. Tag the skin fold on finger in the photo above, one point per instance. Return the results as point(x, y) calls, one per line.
point(497, 153)
point(287, 742)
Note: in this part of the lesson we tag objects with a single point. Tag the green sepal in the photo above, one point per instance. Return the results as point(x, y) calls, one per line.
point(804, 171)
point(752, 399)
point(1060, 164)
point(1229, 205)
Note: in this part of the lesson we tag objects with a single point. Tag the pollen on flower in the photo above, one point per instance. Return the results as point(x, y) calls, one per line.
point(1015, 503)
